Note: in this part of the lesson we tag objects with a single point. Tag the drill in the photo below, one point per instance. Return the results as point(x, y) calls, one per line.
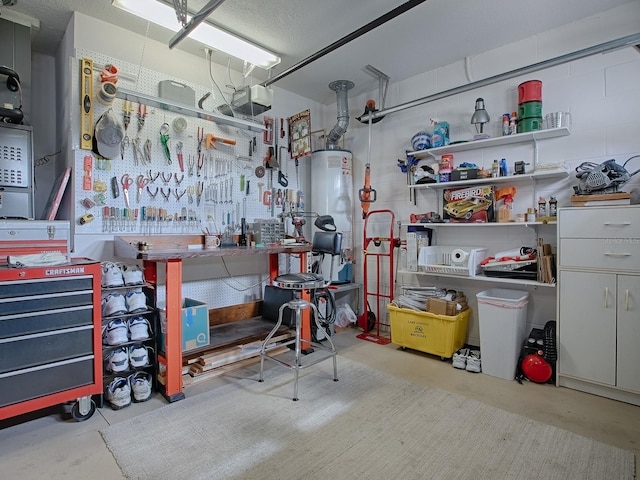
point(298, 222)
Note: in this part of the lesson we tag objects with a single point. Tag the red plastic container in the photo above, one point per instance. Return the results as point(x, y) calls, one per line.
point(530, 91)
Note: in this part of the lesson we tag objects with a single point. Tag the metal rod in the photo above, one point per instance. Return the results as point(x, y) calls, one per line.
point(196, 20)
point(629, 40)
point(344, 40)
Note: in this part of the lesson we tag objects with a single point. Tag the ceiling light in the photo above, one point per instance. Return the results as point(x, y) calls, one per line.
point(205, 33)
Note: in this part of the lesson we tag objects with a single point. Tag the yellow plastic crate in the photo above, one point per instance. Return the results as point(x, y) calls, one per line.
point(430, 333)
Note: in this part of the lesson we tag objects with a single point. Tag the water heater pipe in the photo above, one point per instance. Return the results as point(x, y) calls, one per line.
point(341, 87)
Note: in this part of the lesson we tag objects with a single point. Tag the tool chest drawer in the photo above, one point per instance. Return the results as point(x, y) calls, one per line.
point(11, 290)
point(27, 323)
point(599, 222)
point(37, 303)
point(618, 254)
point(45, 380)
point(40, 348)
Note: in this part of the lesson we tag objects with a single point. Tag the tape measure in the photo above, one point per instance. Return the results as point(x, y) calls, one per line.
point(86, 107)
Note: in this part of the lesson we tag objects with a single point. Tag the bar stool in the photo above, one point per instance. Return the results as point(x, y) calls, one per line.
point(323, 243)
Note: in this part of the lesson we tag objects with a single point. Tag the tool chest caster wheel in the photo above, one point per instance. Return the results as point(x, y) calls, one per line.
point(83, 409)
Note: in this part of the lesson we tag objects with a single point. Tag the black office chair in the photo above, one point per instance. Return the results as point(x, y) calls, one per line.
point(327, 243)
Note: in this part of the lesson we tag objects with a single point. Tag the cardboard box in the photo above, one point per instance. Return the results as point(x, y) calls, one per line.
point(469, 205)
point(195, 325)
point(440, 306)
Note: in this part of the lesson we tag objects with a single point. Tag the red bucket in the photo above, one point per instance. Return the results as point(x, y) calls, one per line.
point(530, 91)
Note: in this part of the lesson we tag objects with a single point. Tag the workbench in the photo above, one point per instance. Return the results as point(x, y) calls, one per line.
point(171, 250)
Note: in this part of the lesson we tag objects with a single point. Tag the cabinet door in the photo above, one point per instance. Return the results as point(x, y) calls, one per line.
point(587, 326)
point(628, 332)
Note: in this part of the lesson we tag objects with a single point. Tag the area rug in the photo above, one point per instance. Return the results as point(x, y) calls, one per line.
point(368, 425)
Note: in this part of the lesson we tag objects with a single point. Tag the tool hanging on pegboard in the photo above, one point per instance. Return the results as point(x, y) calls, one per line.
point(86, 105)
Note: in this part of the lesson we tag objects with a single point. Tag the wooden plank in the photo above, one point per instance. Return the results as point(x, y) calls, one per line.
point(234, 313)
point(216, 372)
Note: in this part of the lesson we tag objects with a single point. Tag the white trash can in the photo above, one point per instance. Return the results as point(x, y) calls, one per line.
point(502, 316)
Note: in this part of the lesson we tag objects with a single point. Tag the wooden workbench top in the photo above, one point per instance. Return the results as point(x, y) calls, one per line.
point(175, 247)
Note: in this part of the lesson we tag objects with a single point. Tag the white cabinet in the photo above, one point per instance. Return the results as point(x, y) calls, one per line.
point(599, 300)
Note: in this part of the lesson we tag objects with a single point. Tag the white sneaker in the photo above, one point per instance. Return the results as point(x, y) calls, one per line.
point(111, 275)
point(118, 360)
point(132, 275)
point(115, 332)
point(460, 358)
point(138, 356)
point(140, 383)
point(136, 301)
point(113, 304)
point(119, 393)
point(474, 363)
point(139, 328)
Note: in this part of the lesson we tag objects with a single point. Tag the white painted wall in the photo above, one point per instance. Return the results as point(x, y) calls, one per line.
point(602, 93)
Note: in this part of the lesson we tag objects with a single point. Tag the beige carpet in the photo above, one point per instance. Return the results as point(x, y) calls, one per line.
point(369, 425)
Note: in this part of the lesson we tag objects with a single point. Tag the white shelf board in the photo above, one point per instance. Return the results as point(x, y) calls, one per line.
point(482, 278)
point(486, 224)
point(175, 107)
point(491, 142)
point(508, 179)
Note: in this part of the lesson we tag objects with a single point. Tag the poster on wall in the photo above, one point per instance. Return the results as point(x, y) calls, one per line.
point(300, 134)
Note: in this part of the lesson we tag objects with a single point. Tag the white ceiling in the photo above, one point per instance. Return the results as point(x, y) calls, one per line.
point(431, 34)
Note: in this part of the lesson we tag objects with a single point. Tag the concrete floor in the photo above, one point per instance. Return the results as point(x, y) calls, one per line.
point(43, 445)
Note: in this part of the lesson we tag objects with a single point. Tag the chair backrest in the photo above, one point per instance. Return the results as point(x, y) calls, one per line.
point(329, 243)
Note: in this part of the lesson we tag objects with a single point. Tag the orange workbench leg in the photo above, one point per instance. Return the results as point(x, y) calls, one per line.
point(173, 337)
point(306, 313)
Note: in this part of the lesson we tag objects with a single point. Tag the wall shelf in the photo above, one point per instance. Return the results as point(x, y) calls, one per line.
point(164, 104)
point(491, 142)
point(488, 224)
point(482, 278)
point(508, 179)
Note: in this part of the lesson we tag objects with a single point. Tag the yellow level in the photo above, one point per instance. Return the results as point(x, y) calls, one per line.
point(86, 107)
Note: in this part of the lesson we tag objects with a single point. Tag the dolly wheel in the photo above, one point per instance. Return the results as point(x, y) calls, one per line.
point(77, 416)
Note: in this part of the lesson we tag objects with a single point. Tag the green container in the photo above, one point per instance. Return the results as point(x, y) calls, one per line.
point(530, 109)
point(529, 124)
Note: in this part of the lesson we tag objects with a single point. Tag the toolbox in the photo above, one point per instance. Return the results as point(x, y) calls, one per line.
point(23, 237)
point(427, 332)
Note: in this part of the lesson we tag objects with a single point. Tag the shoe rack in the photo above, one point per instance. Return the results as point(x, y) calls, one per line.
point(151, 315)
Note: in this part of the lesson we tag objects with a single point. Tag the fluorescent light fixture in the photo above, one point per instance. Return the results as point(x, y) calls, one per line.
point(205, 33)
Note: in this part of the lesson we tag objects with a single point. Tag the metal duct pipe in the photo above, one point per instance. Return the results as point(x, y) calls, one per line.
point(341, 87)
point(630, 40)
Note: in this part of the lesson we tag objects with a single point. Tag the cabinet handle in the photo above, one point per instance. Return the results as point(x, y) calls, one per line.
point(611, 254)
point(626, 300)
point(611, 224)
point(606, 297)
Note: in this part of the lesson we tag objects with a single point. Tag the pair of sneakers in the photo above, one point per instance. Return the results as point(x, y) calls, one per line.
point(119, 331)
point(120, 275)
point(134, 356)
point(122, 390)
point(467, 359)
point(115, 303)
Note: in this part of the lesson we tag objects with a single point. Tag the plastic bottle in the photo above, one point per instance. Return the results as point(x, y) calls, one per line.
point(542, 207)
point(505, 124)
point(553, 207)
point(503, 168)
point(495, 169)
point(513, 123)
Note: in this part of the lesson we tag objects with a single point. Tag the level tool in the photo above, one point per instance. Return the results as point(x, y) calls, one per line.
point(86, 107)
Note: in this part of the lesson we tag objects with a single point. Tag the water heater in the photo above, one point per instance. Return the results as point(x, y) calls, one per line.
point(332, 194)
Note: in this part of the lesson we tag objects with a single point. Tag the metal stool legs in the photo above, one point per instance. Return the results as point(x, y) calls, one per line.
point(298, 305)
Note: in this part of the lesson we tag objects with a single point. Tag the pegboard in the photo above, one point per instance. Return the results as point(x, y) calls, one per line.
point(173, 200)
point(221, 292)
